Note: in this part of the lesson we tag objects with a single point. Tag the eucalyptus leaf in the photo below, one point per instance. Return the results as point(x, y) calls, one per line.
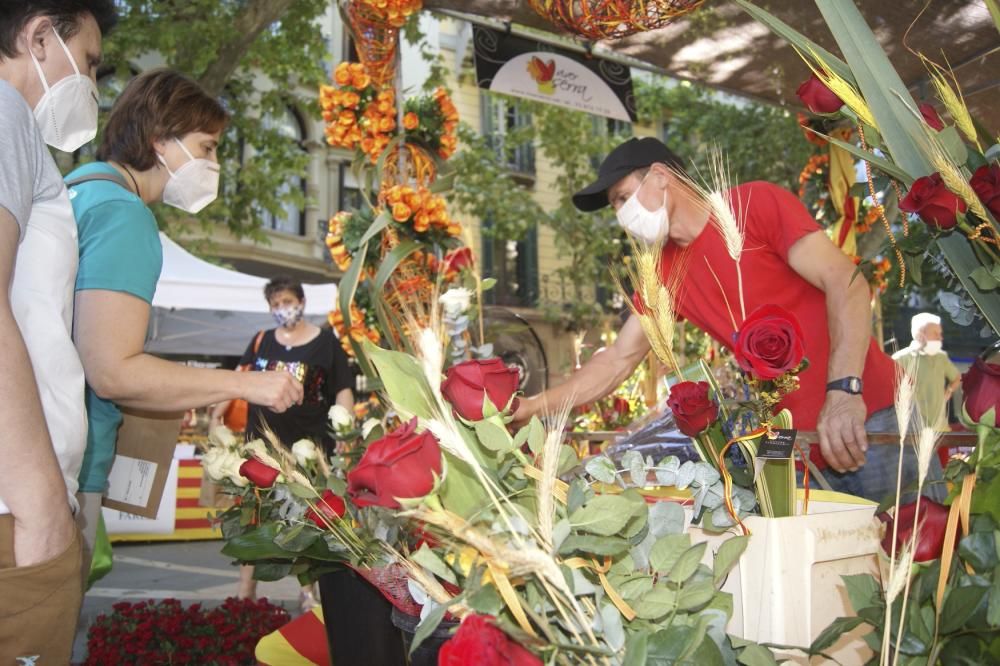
point(685, 475)
point(614, 631)
point(633, 462)
point(601, 468)
point(536, 435)
point(666, 518)
point(560, 531)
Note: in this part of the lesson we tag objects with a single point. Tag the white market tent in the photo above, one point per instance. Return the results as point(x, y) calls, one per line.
point(200, 308)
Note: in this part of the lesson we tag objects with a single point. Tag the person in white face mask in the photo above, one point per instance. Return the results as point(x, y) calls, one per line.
point(314, 356)
point(159, 144)
point(49, 53)
point(935, 377)
point(787, 261)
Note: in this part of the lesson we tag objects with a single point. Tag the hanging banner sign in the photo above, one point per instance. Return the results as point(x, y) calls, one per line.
point(533, 70)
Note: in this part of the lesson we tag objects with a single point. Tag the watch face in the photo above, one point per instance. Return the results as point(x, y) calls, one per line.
point(855, 384)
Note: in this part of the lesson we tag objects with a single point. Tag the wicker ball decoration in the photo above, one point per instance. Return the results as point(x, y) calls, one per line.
point(419, 167)
point(611, 19)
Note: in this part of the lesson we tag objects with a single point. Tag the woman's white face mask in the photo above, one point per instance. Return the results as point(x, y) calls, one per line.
point(194, 185)
point(649, 226)
point(67, 111)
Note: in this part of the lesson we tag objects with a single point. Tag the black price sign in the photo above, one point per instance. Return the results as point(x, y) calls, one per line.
point(778, 448)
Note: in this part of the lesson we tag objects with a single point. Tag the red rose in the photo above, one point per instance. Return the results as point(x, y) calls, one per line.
point(327, 509)
point(817, 97)
point(931, 116)
point(467, 383)
point(986, 182)
point(458, 259)
point(621, 405)
point(936, 205)
point(769, 343)
point(478, 641)
point(693, 410)
point(260, 475)
point(401, 464)
point(981, 386)
point(930, 539)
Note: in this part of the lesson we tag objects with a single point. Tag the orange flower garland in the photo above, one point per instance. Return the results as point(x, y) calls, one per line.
point(357, 115)
point(449, 140)
point(421, 208)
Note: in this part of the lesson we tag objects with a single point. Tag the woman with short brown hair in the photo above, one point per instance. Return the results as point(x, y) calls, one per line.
point(159, 145)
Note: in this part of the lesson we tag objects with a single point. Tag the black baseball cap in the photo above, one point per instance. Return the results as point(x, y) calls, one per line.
point(620, 162)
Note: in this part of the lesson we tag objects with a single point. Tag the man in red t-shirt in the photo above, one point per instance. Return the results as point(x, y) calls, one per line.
point(788, 261)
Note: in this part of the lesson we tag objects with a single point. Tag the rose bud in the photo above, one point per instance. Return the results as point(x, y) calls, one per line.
point(930, 538)
point(817, 97)
point(981, 387)
point(693, 410)
point(261, 475)
point(931, 116)
point(769, 343)
point(467, 383)
point(400, 465)
point(936, 205)
point(327, 510)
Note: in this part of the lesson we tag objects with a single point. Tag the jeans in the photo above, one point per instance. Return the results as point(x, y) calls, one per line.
point(876, 479)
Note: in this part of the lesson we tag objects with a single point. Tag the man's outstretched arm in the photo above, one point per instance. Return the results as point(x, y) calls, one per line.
point(598, 377)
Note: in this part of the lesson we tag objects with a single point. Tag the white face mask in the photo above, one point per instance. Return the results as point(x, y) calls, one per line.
point(194, 185)
point(649, 226)
point(933, 346)
point(67, 111)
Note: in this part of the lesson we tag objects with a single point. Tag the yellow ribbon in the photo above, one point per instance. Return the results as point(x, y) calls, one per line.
point(616, 599)
point(510, 597)
point(560, 488)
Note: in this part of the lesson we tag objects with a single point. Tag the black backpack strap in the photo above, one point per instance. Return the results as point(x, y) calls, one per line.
point(97, 176)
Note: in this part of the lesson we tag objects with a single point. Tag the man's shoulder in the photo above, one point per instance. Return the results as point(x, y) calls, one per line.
point(16, 112)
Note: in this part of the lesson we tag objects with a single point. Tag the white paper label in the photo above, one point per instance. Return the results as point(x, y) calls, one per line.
point(131, 480)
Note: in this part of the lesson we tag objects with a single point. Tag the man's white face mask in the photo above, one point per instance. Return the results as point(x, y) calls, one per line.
point(649, 226)
point(67, 111)
point(933, 346)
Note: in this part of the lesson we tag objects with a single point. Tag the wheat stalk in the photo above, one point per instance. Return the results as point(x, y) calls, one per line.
point(550, 466)
point(952, 99)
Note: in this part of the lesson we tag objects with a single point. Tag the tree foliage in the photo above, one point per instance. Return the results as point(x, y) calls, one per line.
point(262, 57)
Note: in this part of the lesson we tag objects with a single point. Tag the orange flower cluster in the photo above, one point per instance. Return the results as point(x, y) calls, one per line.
point(872, 216)
point(378, 124)
point(335, 240)
point(882, 268)
point(393, 12)
point(419, 206)
point(813, 167)
point(358, 331)
point(449, 140)
point(342, 106)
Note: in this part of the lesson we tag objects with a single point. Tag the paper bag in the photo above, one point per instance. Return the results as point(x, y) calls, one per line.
point(145, 449)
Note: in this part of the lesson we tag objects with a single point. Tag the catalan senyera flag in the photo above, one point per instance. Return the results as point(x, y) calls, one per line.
point(301, 642)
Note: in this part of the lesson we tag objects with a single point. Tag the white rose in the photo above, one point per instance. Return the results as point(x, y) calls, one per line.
point(223, 436)
point(304, 451)
point(211, 463)
point(368, 426)
point(455, 301)
point(230, 468)
point(341, 417)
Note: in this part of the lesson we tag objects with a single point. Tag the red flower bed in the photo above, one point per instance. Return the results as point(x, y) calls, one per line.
point(166, 632)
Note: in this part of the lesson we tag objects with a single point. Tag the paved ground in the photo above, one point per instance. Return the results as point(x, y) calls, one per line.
point(191, 571)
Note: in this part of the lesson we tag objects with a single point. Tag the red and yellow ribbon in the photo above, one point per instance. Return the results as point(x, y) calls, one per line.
point(727, 479)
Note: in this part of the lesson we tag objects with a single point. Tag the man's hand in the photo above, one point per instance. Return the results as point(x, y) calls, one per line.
point(277, 390)
point(526, 408)
point(43, 537)
point(841, 429)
